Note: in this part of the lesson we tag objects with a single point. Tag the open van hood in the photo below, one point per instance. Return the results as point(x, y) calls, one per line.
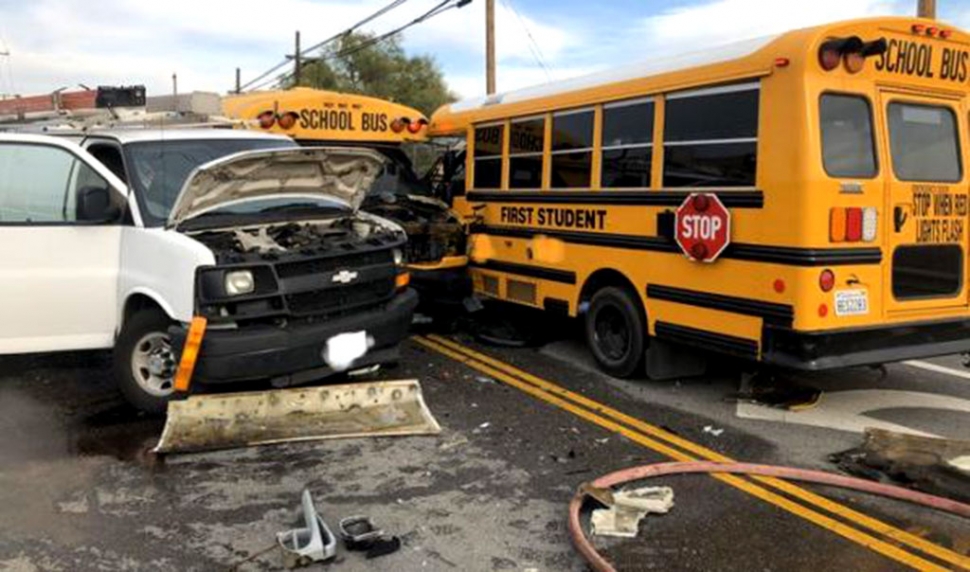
point(341, 174)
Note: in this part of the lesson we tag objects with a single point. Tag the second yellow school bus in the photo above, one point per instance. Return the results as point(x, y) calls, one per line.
point(840, 152)
point(312, 117)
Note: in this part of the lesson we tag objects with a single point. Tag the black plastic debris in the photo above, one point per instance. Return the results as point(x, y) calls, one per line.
point(383, 547)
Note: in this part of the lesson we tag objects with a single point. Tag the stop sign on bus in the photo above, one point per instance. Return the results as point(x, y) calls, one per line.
point(703, 227)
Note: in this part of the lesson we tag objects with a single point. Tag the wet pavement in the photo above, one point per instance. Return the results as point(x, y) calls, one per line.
point(79, 490)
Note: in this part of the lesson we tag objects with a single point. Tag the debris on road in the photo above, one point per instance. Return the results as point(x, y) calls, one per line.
point(764, 388)
point(359, 533)
point(628, 508)
point(210, 422)
point(938, 466)
point(303, 546)
point(383, 547)
point(604, 483)
point(712, 431)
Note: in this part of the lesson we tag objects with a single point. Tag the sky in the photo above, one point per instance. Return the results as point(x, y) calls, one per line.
point(63, 43)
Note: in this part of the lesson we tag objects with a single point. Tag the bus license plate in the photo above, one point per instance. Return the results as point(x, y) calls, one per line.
point(851, 302)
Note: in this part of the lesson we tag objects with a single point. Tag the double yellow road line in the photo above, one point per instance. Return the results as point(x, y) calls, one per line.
point(873, 534)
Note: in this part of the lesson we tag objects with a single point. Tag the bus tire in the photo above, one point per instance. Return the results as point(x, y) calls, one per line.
point(144, 363)
point(616, 332)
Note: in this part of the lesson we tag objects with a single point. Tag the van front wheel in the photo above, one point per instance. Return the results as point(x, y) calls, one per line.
point(615, 332)
point(144, 363)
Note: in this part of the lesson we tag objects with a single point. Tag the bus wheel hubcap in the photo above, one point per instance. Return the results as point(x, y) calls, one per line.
point(612, 333)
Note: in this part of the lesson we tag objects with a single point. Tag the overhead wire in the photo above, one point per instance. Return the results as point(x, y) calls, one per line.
point(533, 45)
point(387, 8)
point(439, 8)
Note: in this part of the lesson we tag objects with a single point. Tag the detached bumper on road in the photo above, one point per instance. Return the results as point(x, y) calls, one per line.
point(294, 354)
point(812, 351)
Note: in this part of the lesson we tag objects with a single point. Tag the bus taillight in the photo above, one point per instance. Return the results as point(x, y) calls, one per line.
point(826, 280)
point(853, 224)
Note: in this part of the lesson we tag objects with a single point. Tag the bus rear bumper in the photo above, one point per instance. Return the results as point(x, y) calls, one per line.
point(815, 351)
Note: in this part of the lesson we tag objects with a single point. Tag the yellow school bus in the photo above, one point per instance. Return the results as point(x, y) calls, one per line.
point(436, 237)
point(832, 161)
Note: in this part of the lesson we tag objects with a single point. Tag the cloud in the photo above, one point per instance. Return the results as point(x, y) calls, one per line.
point(57, 43)
point(724, 21)
point(64, 42)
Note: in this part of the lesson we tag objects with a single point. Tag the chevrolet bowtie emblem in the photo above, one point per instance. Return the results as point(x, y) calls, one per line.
point(344, 277)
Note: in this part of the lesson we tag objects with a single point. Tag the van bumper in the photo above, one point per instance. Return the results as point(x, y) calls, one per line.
point(815, 351)
point(294, 354)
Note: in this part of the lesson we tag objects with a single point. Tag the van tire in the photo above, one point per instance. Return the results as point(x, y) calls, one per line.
point(615, 332)
point(144, 347)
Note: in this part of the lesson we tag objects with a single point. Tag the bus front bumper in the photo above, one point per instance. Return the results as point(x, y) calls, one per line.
point(815, 351)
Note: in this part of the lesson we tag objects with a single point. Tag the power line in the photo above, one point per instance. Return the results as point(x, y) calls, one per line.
point(533, 45)
point(439, 8)
point(286, 61)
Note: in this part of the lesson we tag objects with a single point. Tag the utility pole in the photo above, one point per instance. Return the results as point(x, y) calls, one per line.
point(927, 9)
point(490, 46)
point(238, 81)
point(175, 86)
point(297, 62)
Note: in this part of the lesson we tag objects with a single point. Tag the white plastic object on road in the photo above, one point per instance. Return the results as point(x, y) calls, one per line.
point(303, 546)
point(629, 507)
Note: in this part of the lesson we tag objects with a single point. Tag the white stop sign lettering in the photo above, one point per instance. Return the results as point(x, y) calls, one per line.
point(700, 227)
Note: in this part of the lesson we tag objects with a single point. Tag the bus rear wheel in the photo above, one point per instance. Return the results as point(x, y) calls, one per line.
point(615, 332)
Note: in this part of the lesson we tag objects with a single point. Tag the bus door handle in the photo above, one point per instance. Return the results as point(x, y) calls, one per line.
point(899, 217)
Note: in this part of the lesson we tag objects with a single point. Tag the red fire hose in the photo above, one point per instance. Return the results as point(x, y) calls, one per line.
point(598, 563)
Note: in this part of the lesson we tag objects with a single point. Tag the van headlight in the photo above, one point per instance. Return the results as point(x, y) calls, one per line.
point(239, 282)
point(398, 257)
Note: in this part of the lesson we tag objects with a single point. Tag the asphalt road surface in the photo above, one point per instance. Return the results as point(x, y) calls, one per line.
point(522, 429)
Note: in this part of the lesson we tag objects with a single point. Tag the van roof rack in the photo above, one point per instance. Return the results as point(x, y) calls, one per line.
point(111, 107)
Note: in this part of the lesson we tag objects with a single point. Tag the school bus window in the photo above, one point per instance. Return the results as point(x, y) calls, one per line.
point(572, 149)
point(627, 144)
point(526, 144)
point(488, 156)
point(711, 137)
point(847, 140)
point(927, 271)
point(923, 141)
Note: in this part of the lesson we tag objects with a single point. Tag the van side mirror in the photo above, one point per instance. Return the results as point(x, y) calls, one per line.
point(94, 206)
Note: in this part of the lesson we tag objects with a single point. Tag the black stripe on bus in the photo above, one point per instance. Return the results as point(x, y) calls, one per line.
point(722, 343)
point(787, 255)
point(731, 199)
point(628, 241)
point(803, 256)
point(771, 313)
point(549, 274)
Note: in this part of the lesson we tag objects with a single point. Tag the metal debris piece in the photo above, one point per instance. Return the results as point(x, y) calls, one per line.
point(303, 546)
point(226, 421)
point(936, 466)
point(623, 517)
point(359, 532)
point(961, 464)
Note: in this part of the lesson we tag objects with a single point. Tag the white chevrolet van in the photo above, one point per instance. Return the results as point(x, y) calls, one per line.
point(117, 240)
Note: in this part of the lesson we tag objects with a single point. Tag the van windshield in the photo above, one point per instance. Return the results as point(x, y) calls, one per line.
point(158, 169)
